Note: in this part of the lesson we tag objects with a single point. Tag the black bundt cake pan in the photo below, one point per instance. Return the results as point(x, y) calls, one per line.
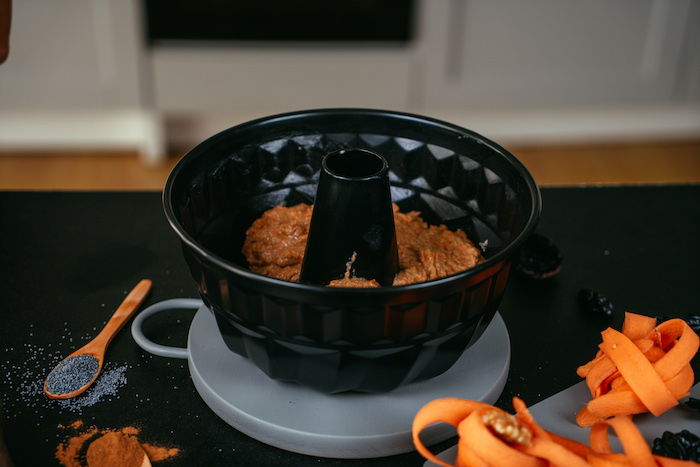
point(333, 340)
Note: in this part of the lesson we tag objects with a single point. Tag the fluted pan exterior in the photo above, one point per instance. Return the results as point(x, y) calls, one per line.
point(370, 340)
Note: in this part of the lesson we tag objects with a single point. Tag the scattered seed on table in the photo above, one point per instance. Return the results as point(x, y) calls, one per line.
point(24, 375)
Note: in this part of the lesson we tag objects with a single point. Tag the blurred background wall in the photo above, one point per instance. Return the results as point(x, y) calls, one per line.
point(155, 74)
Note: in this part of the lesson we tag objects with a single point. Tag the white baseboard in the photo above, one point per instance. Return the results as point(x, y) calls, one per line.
point(145, 132)
point(100, 130)
point(576, 126)
point(507, 127)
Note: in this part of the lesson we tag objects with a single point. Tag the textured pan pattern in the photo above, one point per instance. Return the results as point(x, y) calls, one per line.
point(336, 340)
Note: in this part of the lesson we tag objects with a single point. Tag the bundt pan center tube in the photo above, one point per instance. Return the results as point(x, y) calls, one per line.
point(352, 225)
point(347, 339)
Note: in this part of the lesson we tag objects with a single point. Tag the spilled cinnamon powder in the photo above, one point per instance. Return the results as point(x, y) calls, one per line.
point(115, 449)
point(69, 452)
point(73, 451)
point(158, 453)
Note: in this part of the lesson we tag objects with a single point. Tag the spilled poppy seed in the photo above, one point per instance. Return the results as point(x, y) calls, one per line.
point(26, 368)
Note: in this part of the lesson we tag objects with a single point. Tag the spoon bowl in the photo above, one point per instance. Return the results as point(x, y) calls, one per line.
point(74, 374)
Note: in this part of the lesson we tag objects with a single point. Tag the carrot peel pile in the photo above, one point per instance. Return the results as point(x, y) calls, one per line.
point(644, 368)
point(489, 436)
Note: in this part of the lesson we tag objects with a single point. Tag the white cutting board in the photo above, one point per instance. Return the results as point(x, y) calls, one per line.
point(558, 415)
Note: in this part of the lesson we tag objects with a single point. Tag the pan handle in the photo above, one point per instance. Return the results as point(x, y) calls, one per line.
point(158, 349)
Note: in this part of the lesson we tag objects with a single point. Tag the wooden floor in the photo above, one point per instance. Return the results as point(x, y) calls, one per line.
point(564, 165)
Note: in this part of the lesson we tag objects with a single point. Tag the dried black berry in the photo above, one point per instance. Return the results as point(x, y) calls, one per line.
point(539, 257)
point(692, 320)
point(693, 403)
point(595, 303)
point(684, 446)
point(661, 319)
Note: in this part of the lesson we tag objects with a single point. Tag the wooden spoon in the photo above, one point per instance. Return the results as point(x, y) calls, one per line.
point(80, 369)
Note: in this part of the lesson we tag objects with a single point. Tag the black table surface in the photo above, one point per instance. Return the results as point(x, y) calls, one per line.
point(68, 258)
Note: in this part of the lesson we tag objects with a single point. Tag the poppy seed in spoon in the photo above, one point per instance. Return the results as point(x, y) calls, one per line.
point(72, 374)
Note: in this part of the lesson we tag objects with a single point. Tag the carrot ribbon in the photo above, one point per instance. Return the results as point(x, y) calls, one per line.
point(644, 368)
point(489, 437)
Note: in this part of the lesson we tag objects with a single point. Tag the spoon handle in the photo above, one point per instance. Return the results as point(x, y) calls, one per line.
point(126, 310)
